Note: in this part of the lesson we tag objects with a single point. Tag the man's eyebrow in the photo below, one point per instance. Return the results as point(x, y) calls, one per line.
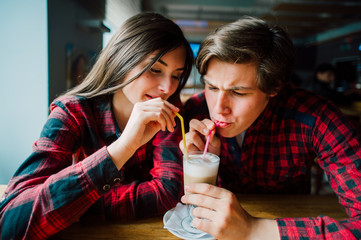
point(207, 82)
point(231, 88)
point(165, 64)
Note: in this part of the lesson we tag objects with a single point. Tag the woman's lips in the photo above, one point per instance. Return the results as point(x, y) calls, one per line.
point(221, 124)
point(149, 96)
point(152, 97)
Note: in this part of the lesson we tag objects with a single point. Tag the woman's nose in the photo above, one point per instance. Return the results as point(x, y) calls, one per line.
point(166, 85)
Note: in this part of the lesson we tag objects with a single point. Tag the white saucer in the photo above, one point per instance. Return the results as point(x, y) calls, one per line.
point(166, 217)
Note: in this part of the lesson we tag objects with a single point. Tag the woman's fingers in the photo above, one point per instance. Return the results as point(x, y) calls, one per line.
point(169, 114)
point(167, 110)
point(161, 111)
point(147, 118)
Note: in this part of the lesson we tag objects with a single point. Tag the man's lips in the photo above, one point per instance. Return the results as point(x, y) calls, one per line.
point(221, 124)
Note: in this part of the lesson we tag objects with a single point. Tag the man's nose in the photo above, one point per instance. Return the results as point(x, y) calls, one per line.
point(222, 105)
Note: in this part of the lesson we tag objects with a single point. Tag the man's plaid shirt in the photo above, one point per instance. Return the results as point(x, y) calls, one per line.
point(277, 154)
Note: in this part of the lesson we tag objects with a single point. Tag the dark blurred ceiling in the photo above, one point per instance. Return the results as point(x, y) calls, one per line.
point(305, 20)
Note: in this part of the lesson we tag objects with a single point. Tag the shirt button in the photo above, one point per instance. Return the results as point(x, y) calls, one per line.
point(106, 187)
point(118, 180)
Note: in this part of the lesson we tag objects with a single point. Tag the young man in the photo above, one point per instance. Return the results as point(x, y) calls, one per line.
point(268, 134)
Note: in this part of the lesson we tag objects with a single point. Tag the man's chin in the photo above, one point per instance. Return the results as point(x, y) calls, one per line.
point(227, 133)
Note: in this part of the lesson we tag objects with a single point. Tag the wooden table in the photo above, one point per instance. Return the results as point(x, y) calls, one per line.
point(268, 206)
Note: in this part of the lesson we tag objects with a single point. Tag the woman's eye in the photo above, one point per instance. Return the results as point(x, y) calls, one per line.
point(155, 70)
point(176, 77)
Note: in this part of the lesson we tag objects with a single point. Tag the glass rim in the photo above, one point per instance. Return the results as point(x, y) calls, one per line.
point(213, 157)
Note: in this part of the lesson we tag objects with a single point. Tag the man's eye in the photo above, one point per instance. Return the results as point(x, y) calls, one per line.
point(239, 94)
point(212, 88)
point(155, 70)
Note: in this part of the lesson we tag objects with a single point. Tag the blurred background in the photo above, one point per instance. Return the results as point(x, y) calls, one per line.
point(47, 46)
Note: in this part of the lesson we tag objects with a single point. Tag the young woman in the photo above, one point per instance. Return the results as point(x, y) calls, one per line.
point(109, 146)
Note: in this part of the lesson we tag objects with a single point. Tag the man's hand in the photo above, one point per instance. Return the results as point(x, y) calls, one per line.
point(219, 213)
point(197, 135)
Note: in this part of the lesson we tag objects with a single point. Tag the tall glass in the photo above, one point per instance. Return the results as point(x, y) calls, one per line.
point(198, 168)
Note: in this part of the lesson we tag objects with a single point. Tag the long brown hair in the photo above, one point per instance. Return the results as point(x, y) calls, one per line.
point(139, 36)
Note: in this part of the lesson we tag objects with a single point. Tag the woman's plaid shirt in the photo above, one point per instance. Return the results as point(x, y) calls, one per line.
point(70, 172)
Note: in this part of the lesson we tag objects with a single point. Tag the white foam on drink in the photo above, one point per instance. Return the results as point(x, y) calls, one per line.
point(196, 166)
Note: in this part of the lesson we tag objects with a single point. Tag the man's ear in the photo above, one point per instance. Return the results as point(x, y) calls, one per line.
point(273, 94)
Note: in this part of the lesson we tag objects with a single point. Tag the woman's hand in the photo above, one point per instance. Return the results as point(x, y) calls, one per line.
point(219, 213)
point(197, 136)
point(146, 119)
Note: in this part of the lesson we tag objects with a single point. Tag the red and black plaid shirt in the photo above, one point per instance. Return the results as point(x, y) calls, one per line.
point(70, 172)
point(278, 151)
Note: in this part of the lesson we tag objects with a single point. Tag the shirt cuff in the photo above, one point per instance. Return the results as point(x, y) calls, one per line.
point(101, 170)
point(289, 228)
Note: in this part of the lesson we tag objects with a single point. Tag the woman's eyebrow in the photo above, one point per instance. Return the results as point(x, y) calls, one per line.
point(165, 64)
point(161, 61)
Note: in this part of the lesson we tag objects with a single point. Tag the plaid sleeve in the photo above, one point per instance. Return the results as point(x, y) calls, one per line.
point(321, 227)
point(142, 198)
point(159, 193)
point(48, 193)
point(339, 152)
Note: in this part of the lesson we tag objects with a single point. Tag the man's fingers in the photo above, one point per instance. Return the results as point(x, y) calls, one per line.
point(201, 212)
point(201, 201)
point(202, 219)
point(208, 190)
point(209, 124)
point(193, 138)
point(199, 126)
point(190, 146)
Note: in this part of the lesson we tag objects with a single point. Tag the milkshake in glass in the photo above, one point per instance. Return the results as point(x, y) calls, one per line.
point(198, 168)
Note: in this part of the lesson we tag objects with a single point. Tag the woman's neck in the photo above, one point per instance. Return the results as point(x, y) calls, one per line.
point(122, 108)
